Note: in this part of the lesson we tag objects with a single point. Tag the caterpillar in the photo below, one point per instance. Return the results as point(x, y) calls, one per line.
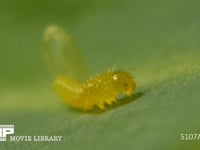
point(97, 92)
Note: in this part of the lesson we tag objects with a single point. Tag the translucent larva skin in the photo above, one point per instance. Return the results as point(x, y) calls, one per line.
point(62, 54)
point(97, 91)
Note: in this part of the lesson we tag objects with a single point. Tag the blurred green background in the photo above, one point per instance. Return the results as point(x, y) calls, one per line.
point(157, 41)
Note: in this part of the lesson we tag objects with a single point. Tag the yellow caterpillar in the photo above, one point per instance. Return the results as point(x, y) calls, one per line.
point(97, 91)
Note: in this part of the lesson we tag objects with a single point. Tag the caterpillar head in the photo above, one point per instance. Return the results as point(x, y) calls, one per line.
point(123, 82)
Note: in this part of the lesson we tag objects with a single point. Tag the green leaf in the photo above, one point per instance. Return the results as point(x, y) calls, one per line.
point(157, 41)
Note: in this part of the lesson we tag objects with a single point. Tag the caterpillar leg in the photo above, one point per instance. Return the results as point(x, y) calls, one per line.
point(101, 106)
point(111, 101)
